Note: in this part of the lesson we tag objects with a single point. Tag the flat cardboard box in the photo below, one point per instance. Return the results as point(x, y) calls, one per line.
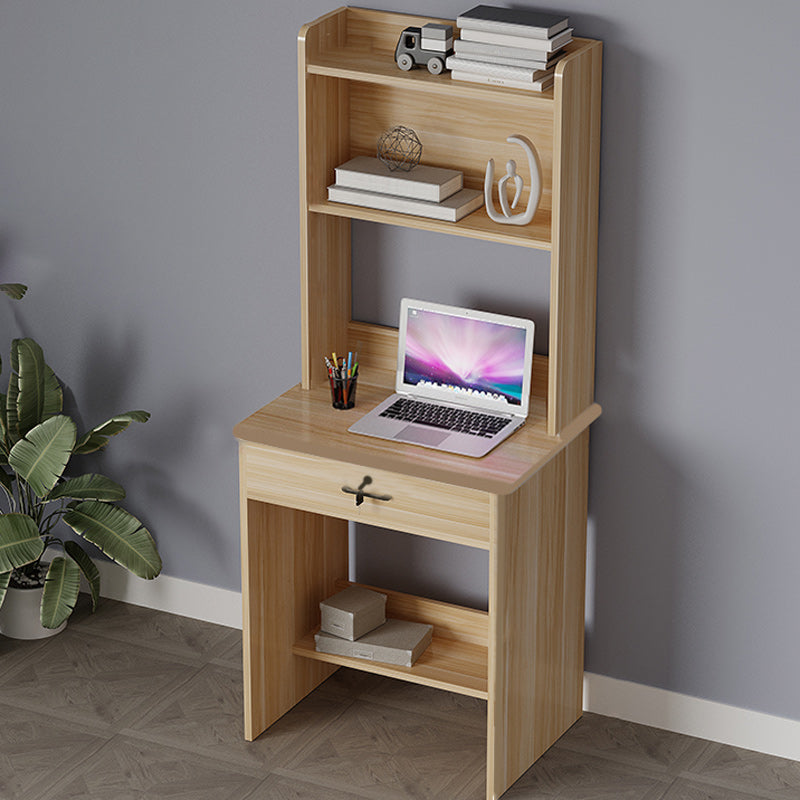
point(395, 642)
point(353, 612)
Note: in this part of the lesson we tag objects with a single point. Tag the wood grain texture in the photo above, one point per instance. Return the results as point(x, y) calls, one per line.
point(459, 623)
point(310, 483)
point(324, 241)
point(446, 664)
point(573, 266)
point(536, 631)
point(290, 561)
point(303, 421)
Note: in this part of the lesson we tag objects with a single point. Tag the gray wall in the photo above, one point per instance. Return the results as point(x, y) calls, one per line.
point(148, 196)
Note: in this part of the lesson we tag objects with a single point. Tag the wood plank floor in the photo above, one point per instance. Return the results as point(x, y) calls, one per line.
point(132, 703)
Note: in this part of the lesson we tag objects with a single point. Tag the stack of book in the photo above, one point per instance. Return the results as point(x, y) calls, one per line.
point(353, 623)
point(425, 191)
point(509, 47)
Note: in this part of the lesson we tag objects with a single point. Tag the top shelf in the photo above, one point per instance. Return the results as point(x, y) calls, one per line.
point(380, 68)
point(358, 44)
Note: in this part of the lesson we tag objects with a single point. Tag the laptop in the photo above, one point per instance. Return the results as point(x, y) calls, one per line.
point(463, 380)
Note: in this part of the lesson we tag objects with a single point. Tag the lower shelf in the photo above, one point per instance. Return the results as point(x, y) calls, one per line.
point(456, 660)
point(459, 667)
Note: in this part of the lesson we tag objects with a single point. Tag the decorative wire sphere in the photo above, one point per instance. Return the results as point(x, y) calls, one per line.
point(400, 148)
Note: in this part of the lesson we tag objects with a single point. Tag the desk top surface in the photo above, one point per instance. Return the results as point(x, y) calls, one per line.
point(304, 421)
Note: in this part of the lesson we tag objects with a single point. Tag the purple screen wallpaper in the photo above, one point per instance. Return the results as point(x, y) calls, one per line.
point(464, 354)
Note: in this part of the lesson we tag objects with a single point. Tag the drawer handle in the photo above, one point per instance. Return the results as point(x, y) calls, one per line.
point(361, 494)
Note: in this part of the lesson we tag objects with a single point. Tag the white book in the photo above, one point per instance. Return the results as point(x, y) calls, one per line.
point(476, 77)
point(423, 182)
point(395, 642)
point(519, 21)
point(451, 209)
point(523, 42)
point(511, 61)
point(467, 49)
point(498, 70)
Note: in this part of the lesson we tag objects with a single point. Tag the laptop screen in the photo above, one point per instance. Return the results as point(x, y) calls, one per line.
point(464, 355)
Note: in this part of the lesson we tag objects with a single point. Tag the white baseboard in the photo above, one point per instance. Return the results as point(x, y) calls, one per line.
point(175, 595)
point(692, 716)
point(634, 702)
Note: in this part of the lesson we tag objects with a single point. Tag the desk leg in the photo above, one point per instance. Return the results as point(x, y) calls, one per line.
point(536, 626)
point(290, 560)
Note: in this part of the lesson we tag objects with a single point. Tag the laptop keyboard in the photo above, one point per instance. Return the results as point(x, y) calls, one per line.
point(452, 419)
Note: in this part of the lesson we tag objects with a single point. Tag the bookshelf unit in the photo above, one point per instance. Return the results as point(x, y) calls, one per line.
point(525, 502)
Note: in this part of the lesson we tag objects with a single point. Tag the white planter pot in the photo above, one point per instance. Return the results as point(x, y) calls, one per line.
point(19, 615)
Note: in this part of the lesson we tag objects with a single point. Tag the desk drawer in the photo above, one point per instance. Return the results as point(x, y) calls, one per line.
point(417, 505)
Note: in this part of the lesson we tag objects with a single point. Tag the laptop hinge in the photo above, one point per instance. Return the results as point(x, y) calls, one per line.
point(456, 404)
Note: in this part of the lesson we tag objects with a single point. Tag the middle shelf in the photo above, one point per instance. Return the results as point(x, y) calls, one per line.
point(476, 225)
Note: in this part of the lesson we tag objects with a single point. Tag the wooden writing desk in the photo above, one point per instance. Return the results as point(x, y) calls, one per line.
point(525, 502)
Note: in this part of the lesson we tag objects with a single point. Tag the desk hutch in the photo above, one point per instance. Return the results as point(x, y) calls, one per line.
point(525, 502)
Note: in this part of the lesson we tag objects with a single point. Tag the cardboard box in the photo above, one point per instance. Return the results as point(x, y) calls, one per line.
point(353, 612)
point(395, 642)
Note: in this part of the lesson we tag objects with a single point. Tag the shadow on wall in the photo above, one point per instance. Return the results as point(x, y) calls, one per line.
point(635, 492)
point(635, 503)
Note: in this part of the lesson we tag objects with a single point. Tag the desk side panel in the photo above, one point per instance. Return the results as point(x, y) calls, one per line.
point(537, 564)
point(290, 562)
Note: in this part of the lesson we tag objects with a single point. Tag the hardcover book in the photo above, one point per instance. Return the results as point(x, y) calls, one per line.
point(524, 42)
point(476, 77)
point(498, 70)
point(451, 209)
point(495, 54)
point(517, 21)
point(395, 642)
point(423, 182)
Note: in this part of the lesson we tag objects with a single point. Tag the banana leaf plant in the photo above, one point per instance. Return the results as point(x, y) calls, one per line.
point(37, 442)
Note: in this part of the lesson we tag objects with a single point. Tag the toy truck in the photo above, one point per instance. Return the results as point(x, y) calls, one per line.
point(429, 46)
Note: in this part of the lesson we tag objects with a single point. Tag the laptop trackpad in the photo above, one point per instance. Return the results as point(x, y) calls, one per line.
point(420, 435)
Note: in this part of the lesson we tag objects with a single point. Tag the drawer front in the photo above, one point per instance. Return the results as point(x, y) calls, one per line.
point(417, 505)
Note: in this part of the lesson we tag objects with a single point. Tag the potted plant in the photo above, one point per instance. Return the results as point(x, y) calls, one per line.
point(37, 442)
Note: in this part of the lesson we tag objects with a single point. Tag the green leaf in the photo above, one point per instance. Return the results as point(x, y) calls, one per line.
point(3, 423)
point(61, 589)
point(88, 487)
point(16, 291)
point(39, 394)
point(12, 423)
point(40, 458)
point(98, 437)
point(118, 534)
point(5, 577)
point(87, 567)
point(20, 542)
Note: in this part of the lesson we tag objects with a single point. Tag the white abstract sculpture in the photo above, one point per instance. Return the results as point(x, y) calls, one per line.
point(507, 218)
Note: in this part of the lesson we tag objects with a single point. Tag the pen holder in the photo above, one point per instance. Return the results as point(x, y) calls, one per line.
point(343, 391)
